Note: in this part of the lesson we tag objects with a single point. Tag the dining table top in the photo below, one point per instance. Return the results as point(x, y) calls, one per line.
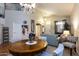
point(20, 48)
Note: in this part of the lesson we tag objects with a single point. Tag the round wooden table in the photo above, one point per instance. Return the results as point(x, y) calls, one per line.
point(21, 49)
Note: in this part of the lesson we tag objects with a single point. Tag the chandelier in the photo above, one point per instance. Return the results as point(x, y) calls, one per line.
point(28, 6)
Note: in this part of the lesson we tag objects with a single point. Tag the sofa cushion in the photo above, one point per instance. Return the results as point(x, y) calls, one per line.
point(43, 37)
point(51, 39)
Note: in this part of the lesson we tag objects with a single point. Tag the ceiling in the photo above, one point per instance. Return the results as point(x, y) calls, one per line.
point(55, 8)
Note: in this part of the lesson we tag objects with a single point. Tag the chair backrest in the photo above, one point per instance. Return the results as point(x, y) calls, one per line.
point(59, 51)
point(72, 39)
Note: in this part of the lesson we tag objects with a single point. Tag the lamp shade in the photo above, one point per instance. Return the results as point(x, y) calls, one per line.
point(66, 32)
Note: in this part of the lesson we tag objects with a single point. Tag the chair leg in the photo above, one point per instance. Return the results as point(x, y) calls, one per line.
point(75, 49)
point(70, 51)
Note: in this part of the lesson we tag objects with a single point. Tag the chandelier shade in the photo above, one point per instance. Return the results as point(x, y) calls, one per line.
point(28, 5)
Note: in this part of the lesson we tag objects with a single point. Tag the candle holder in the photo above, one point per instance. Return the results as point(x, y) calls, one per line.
point(31, 39)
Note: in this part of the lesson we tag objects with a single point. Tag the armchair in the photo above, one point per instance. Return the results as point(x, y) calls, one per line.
point(70, 43)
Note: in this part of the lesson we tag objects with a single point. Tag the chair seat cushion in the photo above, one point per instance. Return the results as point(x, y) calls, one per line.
point(69, 44)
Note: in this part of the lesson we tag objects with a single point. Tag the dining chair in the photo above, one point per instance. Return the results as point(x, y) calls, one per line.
point(58, 52)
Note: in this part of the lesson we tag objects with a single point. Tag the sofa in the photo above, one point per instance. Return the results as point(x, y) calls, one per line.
point(51, 39)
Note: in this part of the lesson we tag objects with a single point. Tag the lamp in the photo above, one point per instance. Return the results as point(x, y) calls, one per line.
point(66, 32)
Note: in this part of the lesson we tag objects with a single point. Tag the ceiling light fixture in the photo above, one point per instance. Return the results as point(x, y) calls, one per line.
point(28, 5)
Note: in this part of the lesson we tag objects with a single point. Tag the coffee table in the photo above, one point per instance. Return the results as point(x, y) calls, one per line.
point(20, 48)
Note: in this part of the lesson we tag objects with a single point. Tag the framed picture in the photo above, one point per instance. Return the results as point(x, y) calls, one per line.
point(59, 27)
point(32, 25)
point(25, 29)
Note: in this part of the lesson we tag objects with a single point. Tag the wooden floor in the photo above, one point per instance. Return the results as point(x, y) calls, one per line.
point(66, 51)
point(4, 50)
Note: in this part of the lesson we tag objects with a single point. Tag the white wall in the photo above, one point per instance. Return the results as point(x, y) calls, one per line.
point(2, 20)
point(2, 23)
point(49, 28)
point(0, 34)
point(2, 8)
point(75, 20)
point(38, 17)
point(16, 17)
